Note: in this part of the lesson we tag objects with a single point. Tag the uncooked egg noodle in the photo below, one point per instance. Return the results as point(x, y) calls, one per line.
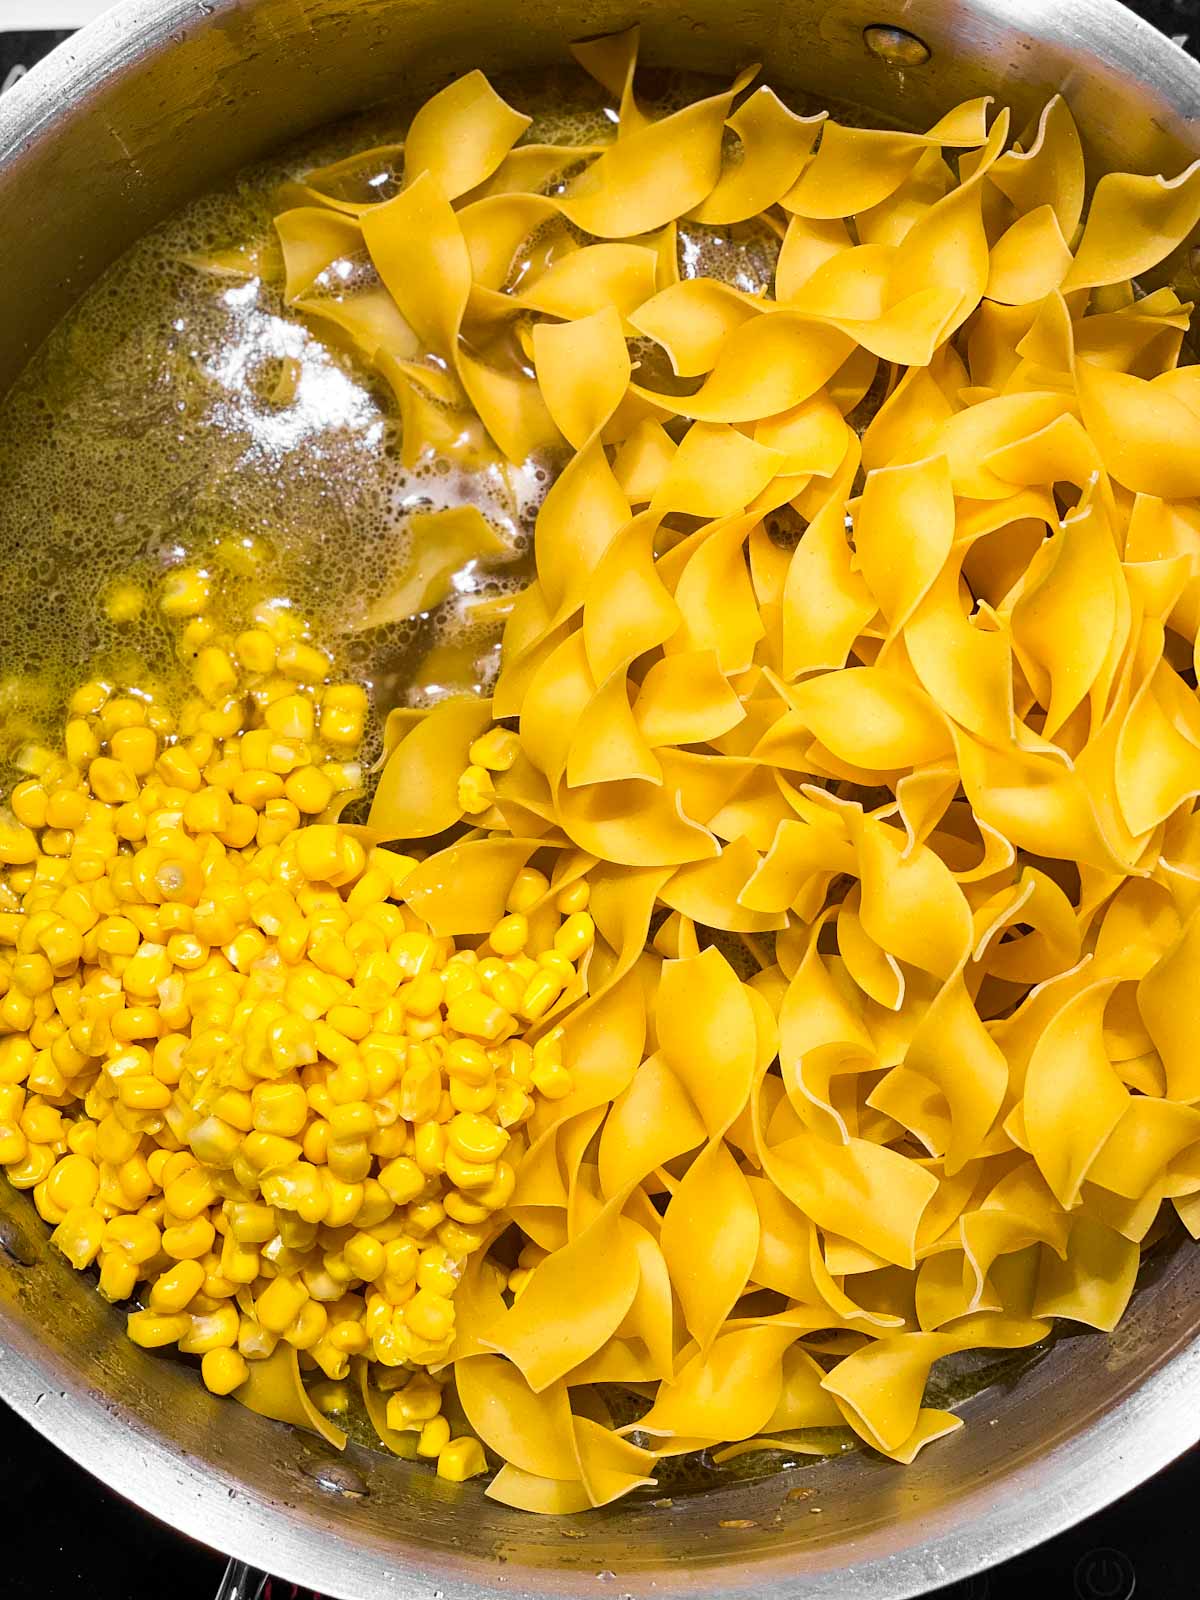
point(929, 760)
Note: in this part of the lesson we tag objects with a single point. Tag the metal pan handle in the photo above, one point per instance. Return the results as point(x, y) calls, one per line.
point(248, 1583)
point(241, 1582)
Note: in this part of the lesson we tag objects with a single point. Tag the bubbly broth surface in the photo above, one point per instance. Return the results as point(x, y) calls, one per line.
point(182, 414)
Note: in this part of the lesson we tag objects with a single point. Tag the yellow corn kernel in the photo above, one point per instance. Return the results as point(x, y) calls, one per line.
point(143, 1094)
point(208, 810)
point(467, 1062)
point(267, 1152)
point(280, 1303)
point(430, 1316)
point(496, 1195)
point(188, 1192)
point(214, 673)
point(152, 1330)
point(543, 990)
point(216, 1329)
point(473, 1013)
point(350, 1022)
point(42, 1124)
point(528, 888)
point(18, 846)
point(279, 818)
point(308, 1326)
point(73, 1183)
point(250, 1222)
point(429, 1150)
point(192, 639)
point(423, 996)
point(61, 943)
point(176, 768)
point(124, 602)
point(223, 1370)
point(476, 1139)
point(476, 791)
point(242, 827)
point(573, 898)
point(402, 1180)
point(246, 948)
point(293, 716)
point(32, 974)
point(365, 1257)
point(78, 907)
point(461, 1459)
point(184, 950)
point(135, 1022)
point(496, 750)
point(89, 698)
point(332, 856)
point(254, 788)
point(466, 1210)
point(552, 1080)
point(156, 1164)
point(437, 1272)
point(377, 979)
point(510, 935)
point(29, 803)
point(17, 1011)
point(79, 1236)
point(145, 970)
point(309, 790)
point(214, 1142)
point(576, 935)
point(343, 714)
point(81, 1137)
point(469, 1097)
point(123, 711)
point(118, 1275)
point(135, 748)
point(134, 1180)
point(280, 1108)
point(435, 1436)
point(81, 742)
point(350, 1338)
point(355, 1120)
point(189, 1241)
point(16, 1058)
point(348, 1159)
point(111, 781)
point(114, 1142)
point(117, 936)
point(172, 1291)
point(420, 1087)
point(469, 1175)
point(185, 592)
point(303, 663)
point(417, 1403)
point(135, 1236)
point(555, 962)
point(255, 649)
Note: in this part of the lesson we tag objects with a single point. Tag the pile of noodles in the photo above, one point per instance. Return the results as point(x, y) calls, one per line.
point(932, 759)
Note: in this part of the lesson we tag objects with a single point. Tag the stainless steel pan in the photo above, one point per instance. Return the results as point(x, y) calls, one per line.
point(151, 104)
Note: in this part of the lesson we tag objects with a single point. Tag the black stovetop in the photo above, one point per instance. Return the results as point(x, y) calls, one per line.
point(66, 1537)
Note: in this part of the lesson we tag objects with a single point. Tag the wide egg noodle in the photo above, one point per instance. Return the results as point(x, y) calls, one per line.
point(461, 135)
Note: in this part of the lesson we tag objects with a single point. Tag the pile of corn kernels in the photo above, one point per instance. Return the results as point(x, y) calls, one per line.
point(234, 1071)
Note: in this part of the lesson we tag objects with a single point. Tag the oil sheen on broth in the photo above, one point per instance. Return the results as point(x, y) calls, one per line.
point(181, 414)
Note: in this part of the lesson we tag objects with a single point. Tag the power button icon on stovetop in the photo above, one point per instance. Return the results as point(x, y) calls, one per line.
point(1105, 1575)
